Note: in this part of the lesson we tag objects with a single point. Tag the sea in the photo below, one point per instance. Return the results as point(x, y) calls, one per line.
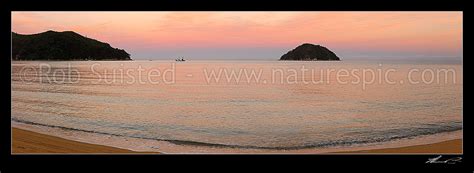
point(240, 106)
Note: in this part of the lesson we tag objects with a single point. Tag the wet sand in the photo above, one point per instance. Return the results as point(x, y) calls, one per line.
point(445, 147)
point(25, 141)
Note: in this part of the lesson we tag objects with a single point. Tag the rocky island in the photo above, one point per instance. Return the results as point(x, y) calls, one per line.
point(67, 45)
point(310, 52)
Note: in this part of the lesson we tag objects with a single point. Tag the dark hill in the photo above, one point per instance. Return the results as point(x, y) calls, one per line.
point(67, 45)
point(310, 52)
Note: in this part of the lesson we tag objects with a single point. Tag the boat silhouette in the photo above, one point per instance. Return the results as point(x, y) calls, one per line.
point(178, 59)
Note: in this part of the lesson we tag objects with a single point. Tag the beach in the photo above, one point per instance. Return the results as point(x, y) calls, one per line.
point(445, 147)
point(240, 117)
point(25, 141)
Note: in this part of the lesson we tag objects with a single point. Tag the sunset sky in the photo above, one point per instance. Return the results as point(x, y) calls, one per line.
point(259, 35)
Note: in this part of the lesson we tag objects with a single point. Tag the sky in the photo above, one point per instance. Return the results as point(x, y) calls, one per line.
point(259, 35)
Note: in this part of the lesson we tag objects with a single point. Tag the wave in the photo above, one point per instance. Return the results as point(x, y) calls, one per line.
point(382, 136)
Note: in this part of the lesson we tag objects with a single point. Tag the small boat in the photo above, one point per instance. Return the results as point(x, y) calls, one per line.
point(182, 59)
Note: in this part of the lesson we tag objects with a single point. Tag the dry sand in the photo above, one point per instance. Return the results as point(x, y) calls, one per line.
point(31, 142)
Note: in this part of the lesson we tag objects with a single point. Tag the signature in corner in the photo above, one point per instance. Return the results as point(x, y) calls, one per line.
point(447, 161)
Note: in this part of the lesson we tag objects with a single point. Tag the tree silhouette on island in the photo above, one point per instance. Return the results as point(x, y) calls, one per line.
point(310, 52)
point(67, 45)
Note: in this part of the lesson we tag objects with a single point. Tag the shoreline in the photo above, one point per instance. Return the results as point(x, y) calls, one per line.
point(29, 142)
point(26, 142)
point(453, 146)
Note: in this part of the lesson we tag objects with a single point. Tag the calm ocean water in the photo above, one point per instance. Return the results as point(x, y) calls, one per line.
point(182, 103)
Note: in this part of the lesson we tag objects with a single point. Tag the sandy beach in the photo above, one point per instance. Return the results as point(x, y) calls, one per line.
point(25, 141)
point(445, 147)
